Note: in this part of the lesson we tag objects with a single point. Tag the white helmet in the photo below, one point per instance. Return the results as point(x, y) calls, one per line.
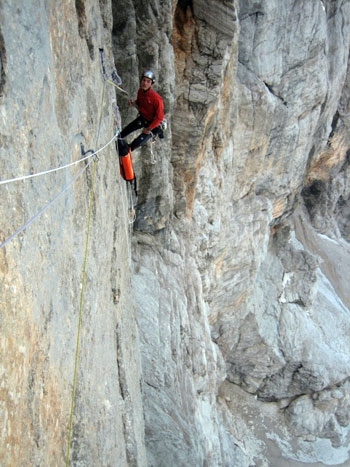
point(149, 74)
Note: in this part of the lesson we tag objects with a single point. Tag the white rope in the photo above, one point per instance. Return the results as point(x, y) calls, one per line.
point(25, 177)
point(32, 219)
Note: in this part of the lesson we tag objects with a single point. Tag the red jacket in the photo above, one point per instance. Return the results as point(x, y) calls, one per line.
point(151, 106)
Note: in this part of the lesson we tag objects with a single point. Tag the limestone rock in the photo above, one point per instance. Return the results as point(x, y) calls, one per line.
point(247, 141)
point(64, 395)
point(214, 329)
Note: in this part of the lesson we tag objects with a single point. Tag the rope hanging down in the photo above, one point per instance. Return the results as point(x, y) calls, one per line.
point(82, 293)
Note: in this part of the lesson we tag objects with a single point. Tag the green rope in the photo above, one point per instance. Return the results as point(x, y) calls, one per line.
point(82, 292)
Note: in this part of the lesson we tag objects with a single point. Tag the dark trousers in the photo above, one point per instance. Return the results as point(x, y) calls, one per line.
point(137, 124)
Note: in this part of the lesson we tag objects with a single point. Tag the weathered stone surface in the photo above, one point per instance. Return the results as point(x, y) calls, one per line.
point(214, 330)
point(51, 100)
point(245, 142)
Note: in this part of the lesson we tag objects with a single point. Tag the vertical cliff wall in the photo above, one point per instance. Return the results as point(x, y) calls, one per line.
point(70, 374)
point(241, 281)
point(214, 329)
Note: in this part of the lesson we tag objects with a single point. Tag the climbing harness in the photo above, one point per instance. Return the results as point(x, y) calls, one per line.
point(145, 141)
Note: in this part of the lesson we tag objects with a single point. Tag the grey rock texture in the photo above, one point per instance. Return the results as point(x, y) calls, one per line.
point(214, 330)
point(259, 163)
point(55, 278)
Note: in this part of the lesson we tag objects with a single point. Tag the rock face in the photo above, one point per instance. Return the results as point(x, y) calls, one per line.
point(70, 368)
point(214, 329)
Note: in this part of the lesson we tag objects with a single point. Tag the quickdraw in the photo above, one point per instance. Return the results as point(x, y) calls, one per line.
point(110, 74)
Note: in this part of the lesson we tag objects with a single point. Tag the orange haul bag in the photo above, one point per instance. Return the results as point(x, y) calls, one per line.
point(125, 160)
point(126, 167)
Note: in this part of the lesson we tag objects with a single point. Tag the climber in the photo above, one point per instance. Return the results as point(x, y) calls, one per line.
point(151, 112)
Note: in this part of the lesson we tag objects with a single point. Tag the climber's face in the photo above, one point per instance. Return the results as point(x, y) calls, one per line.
point(146, 83)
